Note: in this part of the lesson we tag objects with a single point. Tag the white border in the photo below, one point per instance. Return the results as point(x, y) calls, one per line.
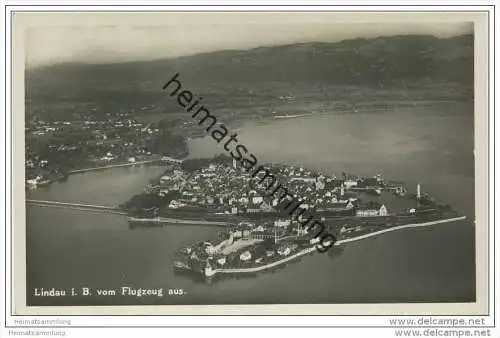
point(218, 320)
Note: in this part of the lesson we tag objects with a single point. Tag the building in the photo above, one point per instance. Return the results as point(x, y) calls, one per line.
point(210, 250)
point(284, 250)
point(265, 207)
point(372, 211)
point(350, 183)
point(245, 256)
point(174, 204)
point(257, 200)
point(163, 192)
point(320, 184)
point(253, 210)
point(282, 223)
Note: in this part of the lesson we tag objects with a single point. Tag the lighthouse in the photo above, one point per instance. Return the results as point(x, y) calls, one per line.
point(418, 191)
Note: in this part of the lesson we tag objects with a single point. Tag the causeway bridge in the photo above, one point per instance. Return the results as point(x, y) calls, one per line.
point(76, 171)
point(77, 206)
point(164, 159)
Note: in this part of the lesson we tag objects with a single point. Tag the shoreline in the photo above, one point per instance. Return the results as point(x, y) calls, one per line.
point(84, 170)
point(337, 243)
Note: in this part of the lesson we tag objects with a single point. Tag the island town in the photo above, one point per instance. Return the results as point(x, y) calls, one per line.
point(254, 234)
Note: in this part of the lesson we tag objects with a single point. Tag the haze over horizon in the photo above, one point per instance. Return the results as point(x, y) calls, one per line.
point(101, 43)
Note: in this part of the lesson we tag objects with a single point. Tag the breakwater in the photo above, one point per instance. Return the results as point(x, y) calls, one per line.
point(400, 227)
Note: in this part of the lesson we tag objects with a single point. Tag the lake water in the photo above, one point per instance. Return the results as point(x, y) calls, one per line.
point(431, 145)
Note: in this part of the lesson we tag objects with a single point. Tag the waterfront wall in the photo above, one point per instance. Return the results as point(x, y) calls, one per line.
point(310, 250)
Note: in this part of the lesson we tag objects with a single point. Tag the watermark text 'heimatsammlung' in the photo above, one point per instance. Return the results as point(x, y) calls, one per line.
point(248, 161)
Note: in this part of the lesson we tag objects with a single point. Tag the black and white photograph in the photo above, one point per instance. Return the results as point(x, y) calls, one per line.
point(258, 158)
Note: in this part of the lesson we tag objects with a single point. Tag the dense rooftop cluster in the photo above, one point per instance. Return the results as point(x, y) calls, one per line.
point(227, 189)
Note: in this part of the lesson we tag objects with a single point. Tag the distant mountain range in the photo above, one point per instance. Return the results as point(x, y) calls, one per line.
point(382, 61)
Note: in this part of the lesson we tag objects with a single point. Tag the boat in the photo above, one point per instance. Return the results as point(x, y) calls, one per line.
point(181, 265)
point(186, 250)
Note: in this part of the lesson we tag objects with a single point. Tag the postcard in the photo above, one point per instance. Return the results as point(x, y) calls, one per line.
point(250, 163)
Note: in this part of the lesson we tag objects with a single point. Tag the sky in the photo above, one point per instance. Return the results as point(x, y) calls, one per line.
point(94, 39)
